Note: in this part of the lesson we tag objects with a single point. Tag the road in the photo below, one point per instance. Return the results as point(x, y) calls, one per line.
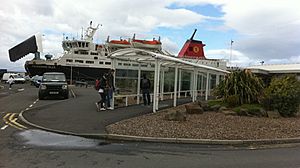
point(27, 147)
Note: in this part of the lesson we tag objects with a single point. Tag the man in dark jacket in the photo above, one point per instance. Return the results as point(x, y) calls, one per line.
point(101, 86)
point(145, 86)
point(110, 88)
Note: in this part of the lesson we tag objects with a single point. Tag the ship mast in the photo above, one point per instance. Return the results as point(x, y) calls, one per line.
point(90, 32)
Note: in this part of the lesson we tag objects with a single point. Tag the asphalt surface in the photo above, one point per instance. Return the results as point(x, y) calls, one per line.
point(80, 116)
point(22, 148)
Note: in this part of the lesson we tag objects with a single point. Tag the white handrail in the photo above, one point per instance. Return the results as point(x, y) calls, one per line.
point(202, 93)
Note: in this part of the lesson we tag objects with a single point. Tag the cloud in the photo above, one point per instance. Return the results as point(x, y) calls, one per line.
point(170, 46)
point(53, 18)
point(267, 29)
point(233, 58)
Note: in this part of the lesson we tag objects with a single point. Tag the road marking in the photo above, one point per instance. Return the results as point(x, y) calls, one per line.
point(10, 119)
point(31, 105)
point(14, 121)
point(4, 118)
point(4, 127)
point(74, 96)
point(26, 109)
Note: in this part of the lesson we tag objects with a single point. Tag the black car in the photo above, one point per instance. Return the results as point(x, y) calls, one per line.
point(36, 81)
point(53, 84)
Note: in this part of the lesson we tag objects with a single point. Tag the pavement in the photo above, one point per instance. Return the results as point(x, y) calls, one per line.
point(78, 116)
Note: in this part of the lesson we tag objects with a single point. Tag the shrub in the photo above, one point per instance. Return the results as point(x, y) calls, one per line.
point(283, 95)
point(216, 102)
point(233, 100)
point(240, 84)
point(250, 110)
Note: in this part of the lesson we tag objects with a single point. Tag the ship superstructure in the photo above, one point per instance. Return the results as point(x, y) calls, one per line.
point(84, 59)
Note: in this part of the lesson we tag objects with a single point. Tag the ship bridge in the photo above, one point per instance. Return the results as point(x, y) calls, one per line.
point(160, 62)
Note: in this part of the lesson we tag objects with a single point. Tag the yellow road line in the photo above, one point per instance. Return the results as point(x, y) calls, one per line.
point(4, 118)
point(7, 121)
point(12, 121)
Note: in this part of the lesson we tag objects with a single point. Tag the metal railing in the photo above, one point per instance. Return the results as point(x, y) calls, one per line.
point(120, 98)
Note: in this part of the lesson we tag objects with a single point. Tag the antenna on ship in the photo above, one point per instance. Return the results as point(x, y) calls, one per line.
point(90, 32)
point(193, 34)
point(81, 33)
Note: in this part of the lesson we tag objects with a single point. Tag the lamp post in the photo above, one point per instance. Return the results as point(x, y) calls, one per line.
point(262, 62)
point(71, 75)
point(231, 42)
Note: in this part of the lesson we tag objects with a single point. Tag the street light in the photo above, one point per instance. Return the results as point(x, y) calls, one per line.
point(231, 42)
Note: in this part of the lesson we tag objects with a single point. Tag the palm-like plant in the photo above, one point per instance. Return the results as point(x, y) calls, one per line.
point(241, 84)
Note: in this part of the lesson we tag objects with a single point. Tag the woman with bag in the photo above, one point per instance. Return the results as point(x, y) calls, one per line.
point(101, 86)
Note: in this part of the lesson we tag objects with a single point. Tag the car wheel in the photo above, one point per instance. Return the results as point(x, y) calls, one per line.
point(41, 97)
point(66, 96)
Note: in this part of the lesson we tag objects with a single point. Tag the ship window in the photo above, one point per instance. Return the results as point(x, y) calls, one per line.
point(79, 61)
point(144, 65)
point(100, 62)
point(95, 57)
point(107, 63)
point(79, 44)
point(75, 45)
point(89, 62)
point(218, 64)
point(126, 64)
point(86, 44)
point(92, 53)
point(76, 52)
point(84, 52)
point(120, 64)
point(69, 60)
point(135, 65)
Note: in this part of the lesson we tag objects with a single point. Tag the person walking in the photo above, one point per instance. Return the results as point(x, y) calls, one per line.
point(145, 86)
point(110, 88)
point(101, 85)
point(10, 81)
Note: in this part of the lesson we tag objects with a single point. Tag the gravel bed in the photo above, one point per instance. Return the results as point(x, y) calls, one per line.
point(210, 125)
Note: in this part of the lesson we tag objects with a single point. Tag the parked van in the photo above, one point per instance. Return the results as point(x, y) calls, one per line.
point(17, 77)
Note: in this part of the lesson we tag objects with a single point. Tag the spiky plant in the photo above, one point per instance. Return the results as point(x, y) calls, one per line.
point(243, 85)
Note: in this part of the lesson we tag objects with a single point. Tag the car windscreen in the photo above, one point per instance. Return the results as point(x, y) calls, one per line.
point(54, 78)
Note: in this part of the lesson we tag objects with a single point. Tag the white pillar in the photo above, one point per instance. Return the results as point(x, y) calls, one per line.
point(202, 84)
point(154, 86)
point(175, 85)
point(217, 79)
point(207, 83)
point(157, 84)
point(195, 86)
point(191, 83)
point(138, 92)
point(113, 66)
point(162, 83)
point(179, 86)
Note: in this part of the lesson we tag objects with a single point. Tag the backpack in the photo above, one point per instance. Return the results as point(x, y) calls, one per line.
point(97, 85)
point(145, 84)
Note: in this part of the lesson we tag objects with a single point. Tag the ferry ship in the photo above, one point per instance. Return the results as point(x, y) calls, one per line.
point(85, 60)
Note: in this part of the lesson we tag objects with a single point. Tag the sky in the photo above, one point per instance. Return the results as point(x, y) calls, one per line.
point(267, 30)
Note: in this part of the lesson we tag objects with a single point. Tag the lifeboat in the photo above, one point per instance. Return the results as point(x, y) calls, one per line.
point(149, 44)
point(118, 43)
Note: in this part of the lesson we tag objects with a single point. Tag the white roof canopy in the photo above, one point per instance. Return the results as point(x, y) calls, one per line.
point(144, 56)
point(158, 59)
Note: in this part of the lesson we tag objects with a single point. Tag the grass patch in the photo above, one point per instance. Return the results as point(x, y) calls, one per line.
point(217, 102)
point(250, 110)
